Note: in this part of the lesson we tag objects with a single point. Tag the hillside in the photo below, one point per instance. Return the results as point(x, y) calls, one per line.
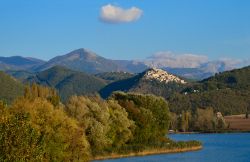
point(20, 74)
point(227, 92)
point(19, 63)
point(68, 82)
point(151, 81)
point(234, 79)
point(10, 88)
point(114, 76)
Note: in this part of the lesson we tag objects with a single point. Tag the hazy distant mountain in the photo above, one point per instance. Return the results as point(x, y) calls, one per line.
point(19, 63)
point(68, 82)
point(192, 66)
point(131, 66)
point(151, 81)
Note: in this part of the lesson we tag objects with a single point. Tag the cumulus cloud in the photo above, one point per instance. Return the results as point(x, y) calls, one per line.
point(114, 14)
point(170, 59)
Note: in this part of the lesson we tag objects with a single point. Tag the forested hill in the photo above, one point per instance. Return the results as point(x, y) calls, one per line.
point(235, 79)
point(10, 88)
point(68, 82)
point(151, 81)
point(227, 92)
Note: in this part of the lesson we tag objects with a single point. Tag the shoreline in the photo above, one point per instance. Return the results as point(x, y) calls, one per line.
point(213, 132)
point(148, 152)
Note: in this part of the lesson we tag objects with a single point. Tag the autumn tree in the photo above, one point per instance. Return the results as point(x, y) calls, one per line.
point(205, 119)
point(19, 141)
point(34, 128)
point(185, 121)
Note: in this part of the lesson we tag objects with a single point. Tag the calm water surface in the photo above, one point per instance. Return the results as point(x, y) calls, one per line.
point(232, 147)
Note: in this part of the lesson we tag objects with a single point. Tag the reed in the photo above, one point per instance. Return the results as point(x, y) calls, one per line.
point(147, 152)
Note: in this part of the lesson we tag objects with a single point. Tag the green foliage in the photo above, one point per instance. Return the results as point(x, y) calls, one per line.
point(227, 101)
point(105, 123)
point(235, 79)
point(150, 113)
point(120, 126)
point(93, 118)
point(68, 82)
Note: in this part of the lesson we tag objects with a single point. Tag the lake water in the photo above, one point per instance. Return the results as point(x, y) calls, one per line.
point(231, 147)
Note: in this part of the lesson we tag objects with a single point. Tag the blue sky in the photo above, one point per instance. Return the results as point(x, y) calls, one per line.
point(47, 28)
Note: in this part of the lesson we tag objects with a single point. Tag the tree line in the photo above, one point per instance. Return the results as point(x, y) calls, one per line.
point(202, 120)
point(38, 127)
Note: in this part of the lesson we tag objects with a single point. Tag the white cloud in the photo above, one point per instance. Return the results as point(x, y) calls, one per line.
point(170, 59)
point(115, 14)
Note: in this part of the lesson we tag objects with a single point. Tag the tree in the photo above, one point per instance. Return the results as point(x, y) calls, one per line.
point(120, 126)
point(204, 119)
point(38, 91)
point(173, 124)
point(185, 120)
point(19, 141)
point(150, 113)
point(93, 118)
point(63, 139)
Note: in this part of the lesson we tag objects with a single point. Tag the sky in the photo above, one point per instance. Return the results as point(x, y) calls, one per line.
point(125, 29)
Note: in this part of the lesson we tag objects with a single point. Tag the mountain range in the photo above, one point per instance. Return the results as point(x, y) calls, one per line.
point(89, 62)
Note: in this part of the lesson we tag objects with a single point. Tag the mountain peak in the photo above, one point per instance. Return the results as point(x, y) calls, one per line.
point(162, 76)
point(82, 53)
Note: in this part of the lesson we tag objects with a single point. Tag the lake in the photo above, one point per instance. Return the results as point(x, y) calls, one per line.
point(228, 147)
